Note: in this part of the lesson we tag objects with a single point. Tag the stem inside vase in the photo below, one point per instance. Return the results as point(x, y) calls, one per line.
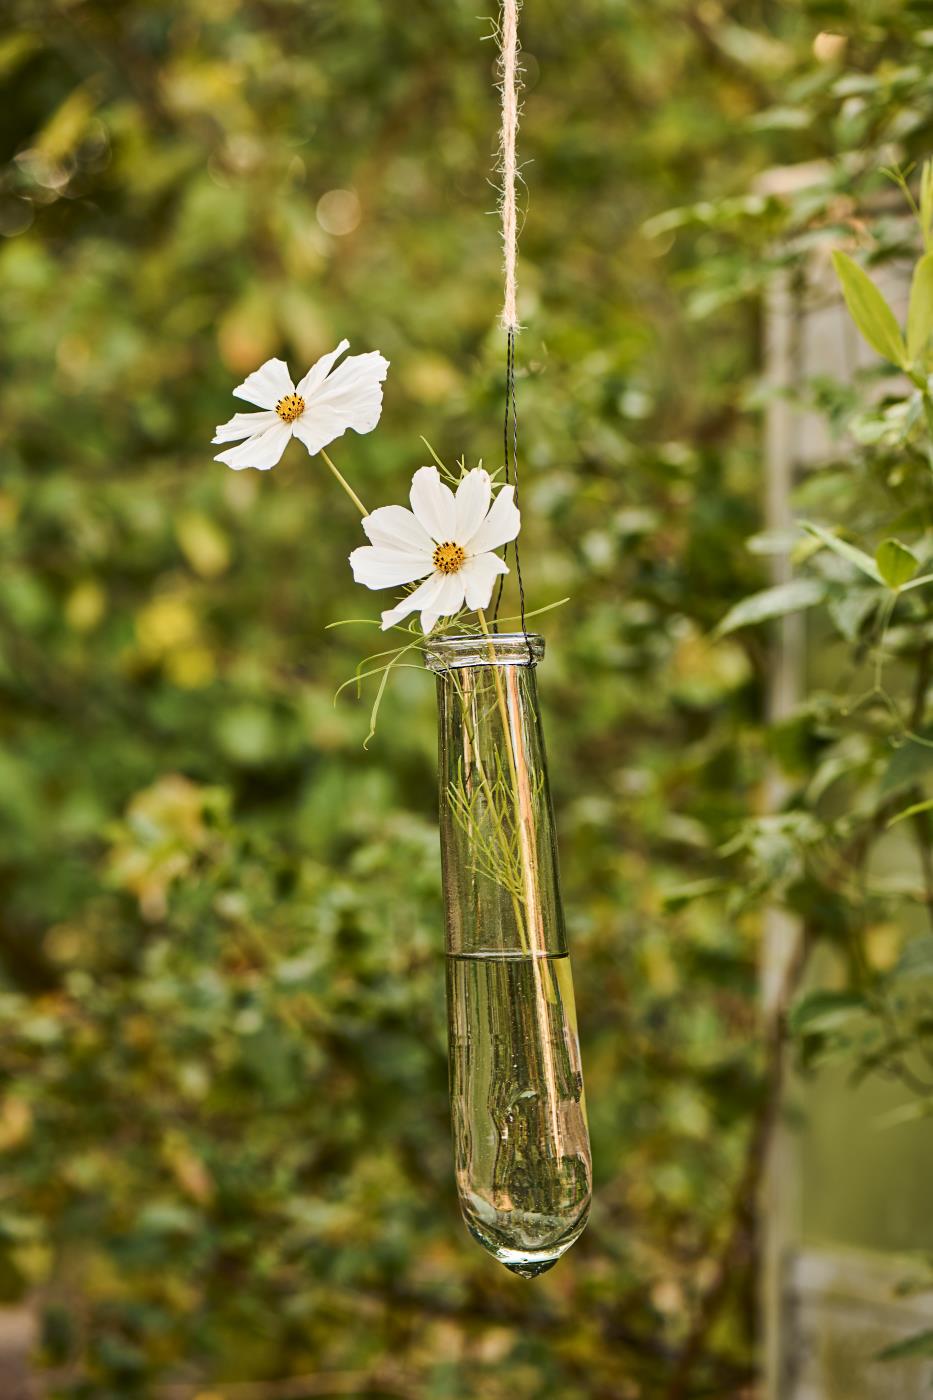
point(520, 1135)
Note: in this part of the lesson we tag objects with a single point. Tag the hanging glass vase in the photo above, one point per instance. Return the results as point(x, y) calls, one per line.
point(521, 1145)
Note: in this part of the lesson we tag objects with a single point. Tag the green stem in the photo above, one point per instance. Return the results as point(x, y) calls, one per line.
point(541, 969)
point(346, 485)
point(525, 837)
point(502, 707)
point(491, 805)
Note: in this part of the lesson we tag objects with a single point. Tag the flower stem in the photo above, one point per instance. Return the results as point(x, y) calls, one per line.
point(346, 485)
point(501, 700)
point(545, 992)
point(494, 814)
point(519, 783)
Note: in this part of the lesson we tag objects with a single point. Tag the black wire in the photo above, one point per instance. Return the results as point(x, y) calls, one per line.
point(511, 412)
point(505, 458)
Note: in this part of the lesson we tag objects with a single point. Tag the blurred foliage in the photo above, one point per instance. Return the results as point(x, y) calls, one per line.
point(224, 1137)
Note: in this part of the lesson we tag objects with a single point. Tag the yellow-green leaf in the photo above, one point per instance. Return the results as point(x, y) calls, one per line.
point(920, 582)
point(855, 556)
point(926, 204)
point(68, 123)
point(919, 1344)
point(913, 811)
point(774, 602)
point(896, 563)
point(870, 311)
point(920, 314)
point(203, 543)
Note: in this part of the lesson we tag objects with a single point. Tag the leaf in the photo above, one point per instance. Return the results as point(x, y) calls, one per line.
point(918, 582)
point(870, 311)
point(926, 204)
point(912, 811)
point(67, 124)
point(15, 49)
point(850, 610)
point(896, 563)
point(536, 612)
point(909, 763)
point(916, 960)
point(772, 541)
point(203, 543)
point(695, 889)
point(773, 602)
point(920, 1344)
point(855, 556)
point(920, 312)
point(824, 1011)
point(909, 1112)
point(850, 755)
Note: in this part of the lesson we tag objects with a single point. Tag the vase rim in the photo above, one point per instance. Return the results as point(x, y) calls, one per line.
point(457, 649)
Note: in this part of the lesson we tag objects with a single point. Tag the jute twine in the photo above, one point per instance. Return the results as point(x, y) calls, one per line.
point(509, 82)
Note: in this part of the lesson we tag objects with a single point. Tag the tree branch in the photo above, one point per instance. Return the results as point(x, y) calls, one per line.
point(739, 1246)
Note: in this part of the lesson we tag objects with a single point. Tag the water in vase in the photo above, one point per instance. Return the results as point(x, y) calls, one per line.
point(519, 1115)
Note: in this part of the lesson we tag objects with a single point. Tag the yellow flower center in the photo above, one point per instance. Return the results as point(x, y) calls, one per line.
point(449, 557)
point(290, 408)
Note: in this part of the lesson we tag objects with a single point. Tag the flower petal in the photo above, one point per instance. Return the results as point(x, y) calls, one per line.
point(317, 427)
point(473, 496)
point(266, 385)
point(397, 528)
point(351, 397)
point(501, 525)
point(422, 597)
point(318, 371)
point(433, 504)
point(448, 600)
point(478, 575)
point(356, 404)
point(243, 425)
point(386, 568)
point(261, 451)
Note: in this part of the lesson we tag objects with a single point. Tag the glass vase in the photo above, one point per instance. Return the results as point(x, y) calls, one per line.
point(521, 1144)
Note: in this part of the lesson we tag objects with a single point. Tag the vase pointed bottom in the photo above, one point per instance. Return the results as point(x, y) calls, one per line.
point(531, 1268)
point(527, 1263)
point(524, 1259)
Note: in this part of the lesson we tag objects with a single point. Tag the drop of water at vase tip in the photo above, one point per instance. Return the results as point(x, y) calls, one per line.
point(521, 1144)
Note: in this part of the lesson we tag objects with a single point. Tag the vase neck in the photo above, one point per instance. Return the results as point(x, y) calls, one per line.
point(448, 653)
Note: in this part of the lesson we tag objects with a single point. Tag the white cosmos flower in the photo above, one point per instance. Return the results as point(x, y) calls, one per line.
point(444, 539)
point(317, 409)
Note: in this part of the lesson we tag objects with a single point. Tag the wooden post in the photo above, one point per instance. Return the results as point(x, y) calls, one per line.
point(829, 1303)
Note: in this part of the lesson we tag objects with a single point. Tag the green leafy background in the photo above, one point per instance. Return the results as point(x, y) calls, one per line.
point(224, 1144)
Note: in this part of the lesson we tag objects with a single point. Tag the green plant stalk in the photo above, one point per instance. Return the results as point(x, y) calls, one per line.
point(345, 484)
point(545, 994)
point(527, 845)
point(488, 858)
point(497, 822)
point(525, 835)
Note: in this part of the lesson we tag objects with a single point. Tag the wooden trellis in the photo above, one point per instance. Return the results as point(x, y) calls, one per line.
point(831, 1267)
